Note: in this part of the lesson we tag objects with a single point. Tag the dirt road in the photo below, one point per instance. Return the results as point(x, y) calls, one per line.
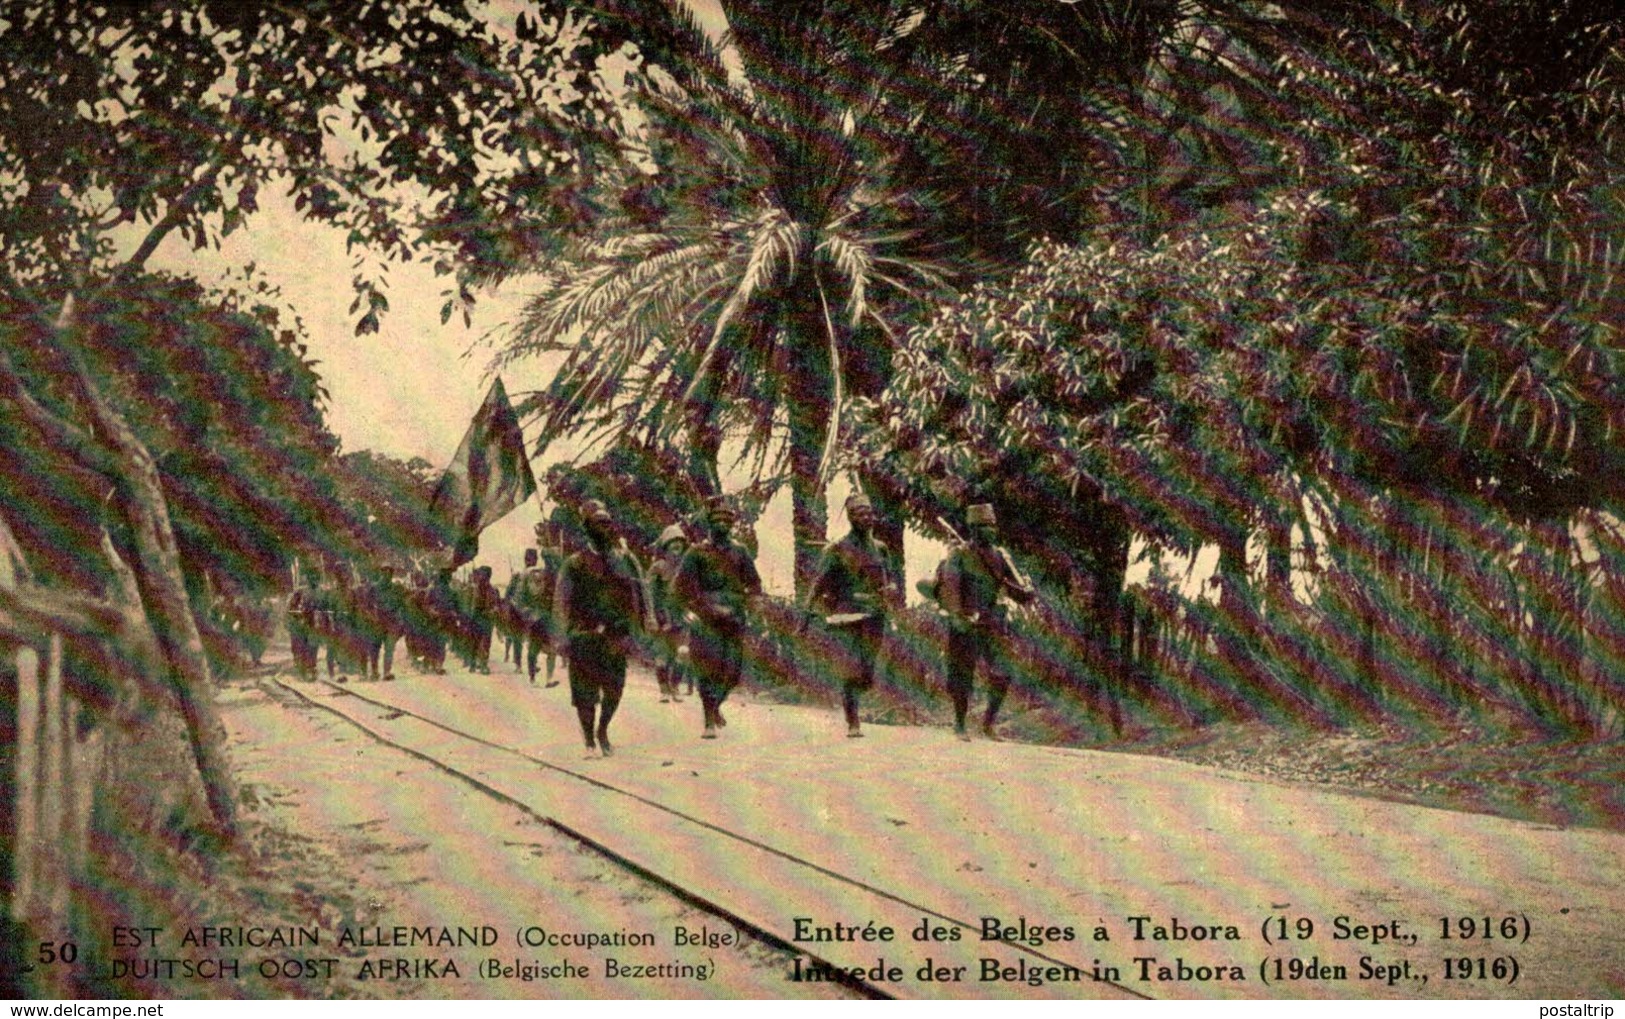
point(1050, 871)
point(398, 842)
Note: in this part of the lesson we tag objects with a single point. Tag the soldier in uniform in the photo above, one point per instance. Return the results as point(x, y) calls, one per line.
point(482, 613)
point(716, 581)
point(368, 627)
point(303, 637)
point(442, 616)
point(386, 612)
point(530, 598)
point(853, 589)
point(255, 625)
point(969, 583)
point(417, 629)
point(669, 635)
point(596, 604)
point(338, 626)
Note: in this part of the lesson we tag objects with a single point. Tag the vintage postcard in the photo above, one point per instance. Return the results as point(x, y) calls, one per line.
point(788, 500)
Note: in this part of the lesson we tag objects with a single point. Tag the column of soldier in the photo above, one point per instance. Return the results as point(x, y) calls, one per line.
point(590, 602)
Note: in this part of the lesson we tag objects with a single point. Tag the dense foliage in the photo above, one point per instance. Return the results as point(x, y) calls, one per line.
point(796, 191)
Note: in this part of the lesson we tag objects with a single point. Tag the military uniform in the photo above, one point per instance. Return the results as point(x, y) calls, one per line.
point(670, 633)
point(481, 619)
point(715, 582)
point(344, 646)
point(303, 634)
point(385, 613)
point(440, 619)
point(597, 602)
point(969, 583)
point(852, 589)
point(530, 598)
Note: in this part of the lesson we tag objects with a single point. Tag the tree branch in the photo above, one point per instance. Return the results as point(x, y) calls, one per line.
point(29, 614)
point(177, 212)
point(80, 445)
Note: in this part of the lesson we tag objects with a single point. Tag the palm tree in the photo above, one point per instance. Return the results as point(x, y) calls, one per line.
point(795, 188)
point(763, 244)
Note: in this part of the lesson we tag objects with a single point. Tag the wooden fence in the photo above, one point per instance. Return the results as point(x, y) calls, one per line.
point(52, 761)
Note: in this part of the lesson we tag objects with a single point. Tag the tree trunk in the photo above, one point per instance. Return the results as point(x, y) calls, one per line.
point(809, 398)
point(1112, 540)
point(1232, 575)
point(809, 512)
point(1278, 557)
point(163, 588)
point(163, 592)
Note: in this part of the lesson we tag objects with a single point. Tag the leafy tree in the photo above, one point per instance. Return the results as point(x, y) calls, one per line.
point(1223, 380)
point(794, 190)
point(386, 507)
point(392, 121)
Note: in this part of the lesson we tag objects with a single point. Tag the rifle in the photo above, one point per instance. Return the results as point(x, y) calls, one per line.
point(645, 590)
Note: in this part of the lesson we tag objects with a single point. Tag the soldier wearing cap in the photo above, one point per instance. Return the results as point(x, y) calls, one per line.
point(440, 619)
point(668, 614)
point(382, 607)
point(339, 626)
point(716, 581)
point(481, 619)
point(853, 589)
point(530, 598)
point(304, 629)
point(597, 600)
point(969, 584)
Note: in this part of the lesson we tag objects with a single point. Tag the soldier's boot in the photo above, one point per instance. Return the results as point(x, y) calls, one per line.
point(606, 710)
point(584, 714)
point(994, 699)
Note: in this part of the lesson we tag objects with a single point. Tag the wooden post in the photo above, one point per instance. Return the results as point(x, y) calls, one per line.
point(54, 803)
point(27, 811)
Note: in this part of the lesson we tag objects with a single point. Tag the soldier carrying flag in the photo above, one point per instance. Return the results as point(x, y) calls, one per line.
point(487, 478)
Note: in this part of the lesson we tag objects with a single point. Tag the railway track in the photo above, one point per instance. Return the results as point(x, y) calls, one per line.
point(827, 916)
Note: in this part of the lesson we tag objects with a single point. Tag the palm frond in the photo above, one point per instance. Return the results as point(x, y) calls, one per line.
point(832, 431)
point(773, 243)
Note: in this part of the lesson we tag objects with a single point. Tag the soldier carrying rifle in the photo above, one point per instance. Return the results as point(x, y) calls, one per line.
point(853, 589)
point(969, 584)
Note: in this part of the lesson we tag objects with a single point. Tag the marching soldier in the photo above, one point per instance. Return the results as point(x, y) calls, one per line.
point(969, 583)
point(853, 589)
point(339, 627)
point(481, 618)
point(255, 624)
point(596, 603)
point(385, 614)
point(530, 596)
point(442, 616)
point(668, 613)
point(367, 625)
point(303, 636)
point(716, 581)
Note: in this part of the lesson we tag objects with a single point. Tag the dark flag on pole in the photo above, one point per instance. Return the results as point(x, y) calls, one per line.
point(489, 476)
